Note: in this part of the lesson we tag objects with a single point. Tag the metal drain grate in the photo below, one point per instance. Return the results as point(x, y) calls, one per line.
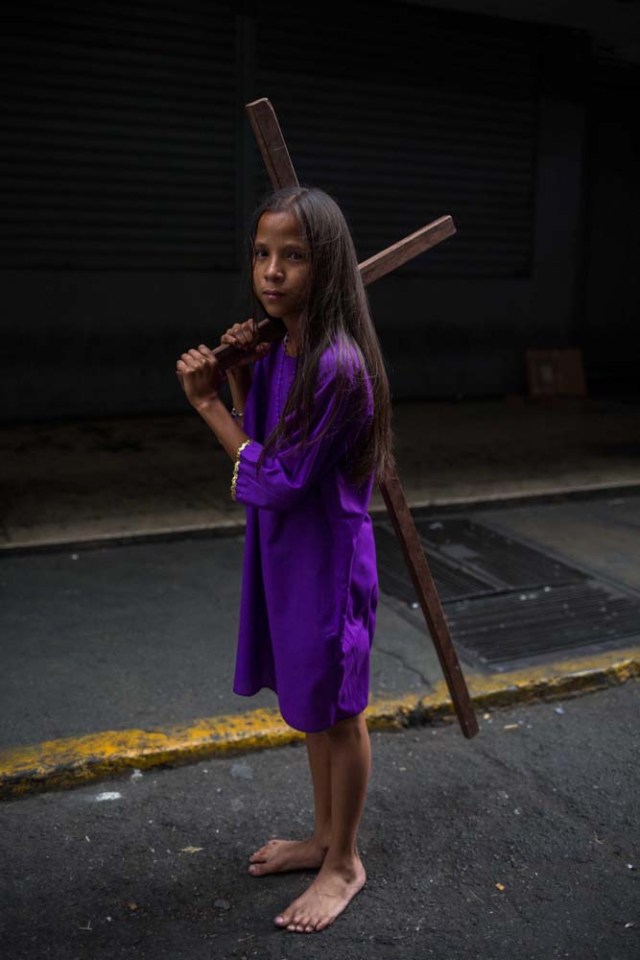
point(505, 601)
point(511, 626)
point(493, 556)
point(394, 577)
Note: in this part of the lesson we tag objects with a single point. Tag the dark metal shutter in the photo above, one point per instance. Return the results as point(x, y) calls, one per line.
point(119, 135)
point(405, 114)
point(611, 294)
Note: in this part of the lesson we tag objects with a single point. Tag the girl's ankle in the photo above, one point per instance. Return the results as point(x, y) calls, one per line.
point(343, 861)
point(322, 838)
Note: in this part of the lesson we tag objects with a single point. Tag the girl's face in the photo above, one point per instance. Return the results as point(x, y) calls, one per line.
point(281, 265)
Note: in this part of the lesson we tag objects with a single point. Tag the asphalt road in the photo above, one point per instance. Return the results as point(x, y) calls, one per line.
point(144, 635)
point(544, 802)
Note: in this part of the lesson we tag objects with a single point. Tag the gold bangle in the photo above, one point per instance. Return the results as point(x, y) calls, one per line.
point(236, 467)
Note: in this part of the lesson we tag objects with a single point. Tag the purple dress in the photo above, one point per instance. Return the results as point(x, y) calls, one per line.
point(309, 583)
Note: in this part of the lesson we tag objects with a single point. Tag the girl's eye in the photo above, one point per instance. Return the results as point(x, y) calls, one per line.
point(260, 254)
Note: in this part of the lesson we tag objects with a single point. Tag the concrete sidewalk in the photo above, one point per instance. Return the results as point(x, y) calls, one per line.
point(104, 479)
point(118, 655)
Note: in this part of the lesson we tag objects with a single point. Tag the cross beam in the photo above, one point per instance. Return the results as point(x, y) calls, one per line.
point(282, 174)
point(370, 270)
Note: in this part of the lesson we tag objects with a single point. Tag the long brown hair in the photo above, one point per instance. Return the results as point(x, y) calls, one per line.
point(336, 314)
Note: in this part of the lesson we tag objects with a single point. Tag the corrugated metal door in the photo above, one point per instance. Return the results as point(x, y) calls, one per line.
point(608, 321)
point(405, 114)
point(121, 129)
point(119, 135)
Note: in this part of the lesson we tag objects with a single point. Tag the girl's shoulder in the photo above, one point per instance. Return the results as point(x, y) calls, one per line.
point(342, 367)
point(341, 360)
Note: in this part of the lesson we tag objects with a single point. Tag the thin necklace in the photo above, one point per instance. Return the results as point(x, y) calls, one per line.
point(279, 390)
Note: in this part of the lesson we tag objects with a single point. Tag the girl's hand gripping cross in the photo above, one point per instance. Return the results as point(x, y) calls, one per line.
point(200, 376)
point(243, 336)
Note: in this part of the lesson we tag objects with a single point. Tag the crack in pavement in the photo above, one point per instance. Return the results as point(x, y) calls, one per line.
point(408, 666)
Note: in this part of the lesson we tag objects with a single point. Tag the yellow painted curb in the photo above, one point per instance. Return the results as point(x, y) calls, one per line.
point(73, 760)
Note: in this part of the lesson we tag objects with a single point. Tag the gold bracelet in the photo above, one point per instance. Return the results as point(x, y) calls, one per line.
point(236, 467)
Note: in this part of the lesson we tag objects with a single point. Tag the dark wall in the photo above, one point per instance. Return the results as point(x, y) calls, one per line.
point(610, 301)
point(133, 176)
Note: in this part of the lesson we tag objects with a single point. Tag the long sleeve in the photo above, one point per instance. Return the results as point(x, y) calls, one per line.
point(285, 477)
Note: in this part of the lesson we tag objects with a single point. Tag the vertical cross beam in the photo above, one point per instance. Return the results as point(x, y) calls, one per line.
point(282, 174)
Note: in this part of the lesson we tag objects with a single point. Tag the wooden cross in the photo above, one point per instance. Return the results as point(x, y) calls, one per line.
point(282, 174)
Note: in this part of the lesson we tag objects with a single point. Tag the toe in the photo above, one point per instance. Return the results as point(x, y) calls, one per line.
point(259, 854)
point(264, 849)
point(286, 918)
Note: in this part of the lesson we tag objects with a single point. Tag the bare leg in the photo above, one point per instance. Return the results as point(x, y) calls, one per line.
point(342, 874)
point(319, 753)
point(278, 856)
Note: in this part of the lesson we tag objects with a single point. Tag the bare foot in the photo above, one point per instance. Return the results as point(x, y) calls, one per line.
point(278, 856)
point(326, 898)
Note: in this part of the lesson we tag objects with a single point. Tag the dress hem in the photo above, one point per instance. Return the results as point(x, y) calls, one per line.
point(299, 729)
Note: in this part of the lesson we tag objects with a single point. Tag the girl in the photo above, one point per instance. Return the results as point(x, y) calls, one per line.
point(309, 432)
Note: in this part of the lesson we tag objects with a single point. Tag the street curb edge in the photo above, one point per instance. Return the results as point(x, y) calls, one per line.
point(74, 761)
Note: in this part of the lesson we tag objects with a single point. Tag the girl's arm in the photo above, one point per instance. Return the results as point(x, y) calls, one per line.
point(239, 380)
point(227, 430)
point(201, 378)
point(242, 335)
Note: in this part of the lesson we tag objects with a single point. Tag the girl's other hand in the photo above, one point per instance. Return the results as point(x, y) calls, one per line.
point(200, 375)
point(242, 335)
